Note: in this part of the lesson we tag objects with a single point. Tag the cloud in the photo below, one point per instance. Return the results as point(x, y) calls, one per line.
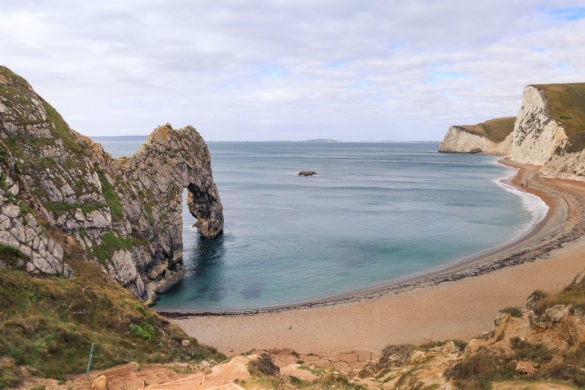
point(275, 69)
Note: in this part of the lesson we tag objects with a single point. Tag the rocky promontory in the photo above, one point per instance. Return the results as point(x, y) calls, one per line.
point(549, 131)
point(491, 137)
point(63, 198)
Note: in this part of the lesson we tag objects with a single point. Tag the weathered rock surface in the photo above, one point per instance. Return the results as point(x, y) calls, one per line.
point(536, 134)
point(549, 131)
point(62, 195)
point(460, 140)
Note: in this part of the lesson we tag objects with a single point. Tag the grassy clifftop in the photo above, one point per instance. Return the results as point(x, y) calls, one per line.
point(48, 324)
point(496, 130)
point(566, 105)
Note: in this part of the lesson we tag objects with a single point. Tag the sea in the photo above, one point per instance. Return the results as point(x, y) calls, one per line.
point(374, 214)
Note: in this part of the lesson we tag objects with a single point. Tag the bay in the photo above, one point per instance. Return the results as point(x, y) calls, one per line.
point(374, 213)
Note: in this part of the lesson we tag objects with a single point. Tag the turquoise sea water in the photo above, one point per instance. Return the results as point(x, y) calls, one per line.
point(374, 213)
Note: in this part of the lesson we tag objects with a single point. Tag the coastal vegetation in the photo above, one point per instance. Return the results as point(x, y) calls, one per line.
point(47, 325)
point(566, 103)
point(496, 130)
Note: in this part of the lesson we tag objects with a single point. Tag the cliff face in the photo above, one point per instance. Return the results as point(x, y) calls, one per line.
point(460, 140)
point(549, 131)
point(63, 196)
point(492, 136)
point(535, 134)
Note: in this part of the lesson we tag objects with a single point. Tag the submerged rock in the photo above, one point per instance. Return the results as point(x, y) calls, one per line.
point(62, 195)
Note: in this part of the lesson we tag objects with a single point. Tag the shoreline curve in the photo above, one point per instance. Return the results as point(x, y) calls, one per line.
point(458, 302)
point(540, 239)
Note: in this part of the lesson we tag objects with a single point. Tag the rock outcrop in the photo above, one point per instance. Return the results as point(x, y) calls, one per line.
point(549, 131)
point(63, 197)
point(307, 173)
point(475, 139)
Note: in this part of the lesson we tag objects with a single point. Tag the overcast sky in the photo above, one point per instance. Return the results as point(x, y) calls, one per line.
point(290, 69)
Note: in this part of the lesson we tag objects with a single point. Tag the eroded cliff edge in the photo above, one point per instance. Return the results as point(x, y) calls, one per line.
point(63, 198)
point(549, 131)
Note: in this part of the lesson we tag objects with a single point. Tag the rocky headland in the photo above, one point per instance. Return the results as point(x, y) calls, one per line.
point(62, 196)
point(549, 131)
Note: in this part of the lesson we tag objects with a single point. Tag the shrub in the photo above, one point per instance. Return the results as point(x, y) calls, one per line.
point(479, 370)
point(263, 366)
point(11, 256)
point(537, 353)
point(143, 330)
point(513, 311)
point(111, 197)
point(9, 376)
point(111, 243)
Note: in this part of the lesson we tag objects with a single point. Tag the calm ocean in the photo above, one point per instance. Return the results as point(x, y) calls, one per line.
point(374, 213)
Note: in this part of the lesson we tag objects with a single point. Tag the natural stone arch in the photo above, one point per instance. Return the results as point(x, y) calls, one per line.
point(64, 199)
point(154, 178)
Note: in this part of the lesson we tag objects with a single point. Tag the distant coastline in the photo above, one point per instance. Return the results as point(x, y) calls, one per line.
point(129, 138)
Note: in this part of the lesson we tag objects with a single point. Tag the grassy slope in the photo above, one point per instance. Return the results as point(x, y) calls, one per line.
point(49, 324)
point(566, 104)
point(496, 130)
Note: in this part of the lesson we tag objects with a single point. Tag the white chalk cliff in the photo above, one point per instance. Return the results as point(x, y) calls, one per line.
point(547, 132)
point(460, 140)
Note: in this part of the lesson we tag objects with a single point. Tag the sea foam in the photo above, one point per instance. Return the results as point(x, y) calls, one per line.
point(530, 202)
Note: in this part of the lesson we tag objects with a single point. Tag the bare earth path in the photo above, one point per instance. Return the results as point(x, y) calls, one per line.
point(456, 302)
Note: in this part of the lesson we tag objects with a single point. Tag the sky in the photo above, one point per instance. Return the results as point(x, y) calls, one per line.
point(250, 70)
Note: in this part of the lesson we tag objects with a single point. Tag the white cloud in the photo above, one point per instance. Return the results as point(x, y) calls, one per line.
point(247, 70)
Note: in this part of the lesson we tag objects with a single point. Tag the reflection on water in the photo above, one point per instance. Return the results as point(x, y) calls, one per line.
point(206, 265)
point(207, 253)
point(204, 268)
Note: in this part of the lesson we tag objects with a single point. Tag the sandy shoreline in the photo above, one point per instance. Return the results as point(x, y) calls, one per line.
point(457, 301)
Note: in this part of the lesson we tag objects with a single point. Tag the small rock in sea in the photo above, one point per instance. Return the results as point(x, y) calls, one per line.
point(307, 173)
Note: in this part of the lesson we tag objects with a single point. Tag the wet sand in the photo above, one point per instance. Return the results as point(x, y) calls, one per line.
point(457, 301)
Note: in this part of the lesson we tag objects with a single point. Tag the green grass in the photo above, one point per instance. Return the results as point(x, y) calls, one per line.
point(537, 353)
point(111, 243)
point(111, 198)
point(49, 324)
point(571, 295)
point(60, 130)
point(566, 104)
point(11, 256)
point(496, 130)
point(478, 371)
point(60, 208)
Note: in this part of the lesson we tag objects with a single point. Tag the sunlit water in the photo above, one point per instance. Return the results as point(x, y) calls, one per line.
point(374, 213)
